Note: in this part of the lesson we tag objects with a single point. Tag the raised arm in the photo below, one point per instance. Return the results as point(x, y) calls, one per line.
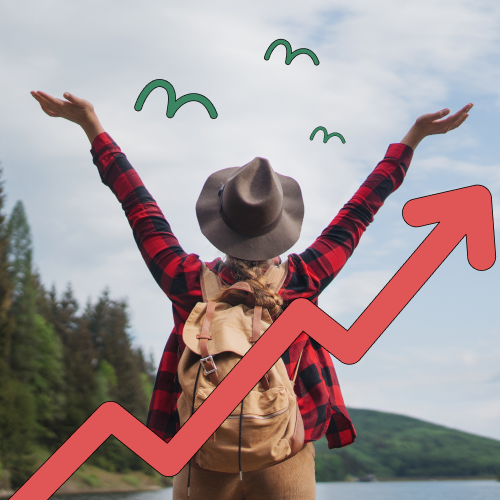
point(158, 245)
point(315, 268)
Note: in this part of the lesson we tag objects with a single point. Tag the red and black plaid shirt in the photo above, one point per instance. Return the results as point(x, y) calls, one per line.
point(178, 275)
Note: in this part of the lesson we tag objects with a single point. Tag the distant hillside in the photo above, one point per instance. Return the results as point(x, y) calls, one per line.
point(394, 446)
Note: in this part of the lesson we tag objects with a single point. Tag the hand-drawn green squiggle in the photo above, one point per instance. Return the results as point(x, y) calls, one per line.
point(290, 56)
point(326, 137)
point(173, 103)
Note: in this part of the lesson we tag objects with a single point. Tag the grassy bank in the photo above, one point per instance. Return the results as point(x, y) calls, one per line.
point(91, 479)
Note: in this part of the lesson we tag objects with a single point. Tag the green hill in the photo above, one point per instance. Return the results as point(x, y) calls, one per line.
point(395, 446)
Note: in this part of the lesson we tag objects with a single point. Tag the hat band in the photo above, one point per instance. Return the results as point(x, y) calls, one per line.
point(246, 230)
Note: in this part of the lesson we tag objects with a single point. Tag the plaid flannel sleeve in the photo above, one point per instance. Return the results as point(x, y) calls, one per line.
point(176, 272)
point(158, 245)
point(314, 269)
point(317, 387)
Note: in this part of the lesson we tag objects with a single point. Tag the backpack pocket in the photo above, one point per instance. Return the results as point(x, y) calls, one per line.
point(264, 433)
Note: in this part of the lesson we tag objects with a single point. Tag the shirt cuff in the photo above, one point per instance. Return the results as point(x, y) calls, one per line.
point(104, 143)
point(400, 152)
point(104, 151)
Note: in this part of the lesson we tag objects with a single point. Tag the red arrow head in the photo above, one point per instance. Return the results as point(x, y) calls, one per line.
point(461, 212)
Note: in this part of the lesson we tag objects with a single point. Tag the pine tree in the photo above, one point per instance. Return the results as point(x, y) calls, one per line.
point(120, 377)
point(109, 325)
point(17, 404)
point(147, 369)
point(80, 360)
point(6, 324)
point(36, 351)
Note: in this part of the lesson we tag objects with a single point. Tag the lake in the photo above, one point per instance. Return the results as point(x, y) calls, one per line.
point(404, 490)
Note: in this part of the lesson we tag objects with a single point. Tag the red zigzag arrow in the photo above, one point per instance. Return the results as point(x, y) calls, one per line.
point(463, 212)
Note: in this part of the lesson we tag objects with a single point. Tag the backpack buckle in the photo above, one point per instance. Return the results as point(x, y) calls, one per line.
point(211, 359)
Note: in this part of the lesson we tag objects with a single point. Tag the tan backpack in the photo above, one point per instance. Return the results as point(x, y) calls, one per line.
point(266, 428)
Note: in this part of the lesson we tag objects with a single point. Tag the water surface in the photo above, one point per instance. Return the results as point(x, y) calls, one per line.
point(404, 490)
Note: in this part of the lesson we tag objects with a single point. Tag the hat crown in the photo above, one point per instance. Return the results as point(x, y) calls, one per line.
point(253, 195)
point(251, 212)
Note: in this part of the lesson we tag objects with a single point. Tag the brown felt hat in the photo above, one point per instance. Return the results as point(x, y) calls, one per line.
point(251, 212)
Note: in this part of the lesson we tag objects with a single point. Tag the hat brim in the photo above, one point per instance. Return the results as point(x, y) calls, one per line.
point(240, 246)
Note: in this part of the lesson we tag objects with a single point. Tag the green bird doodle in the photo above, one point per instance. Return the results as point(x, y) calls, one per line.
point(173, 103)
point(290, 56)
point(326, 136)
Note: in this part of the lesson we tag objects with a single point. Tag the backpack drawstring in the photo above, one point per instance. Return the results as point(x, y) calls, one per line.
point(239, 444)
point(192, 411)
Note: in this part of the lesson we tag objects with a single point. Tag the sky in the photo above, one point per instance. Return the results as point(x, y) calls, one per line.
point(382, 64)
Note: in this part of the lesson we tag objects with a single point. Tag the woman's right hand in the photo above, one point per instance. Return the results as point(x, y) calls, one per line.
point(75, 110)
point(435, 123)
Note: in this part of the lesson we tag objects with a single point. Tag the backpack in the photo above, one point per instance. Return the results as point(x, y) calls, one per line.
point(266, 428)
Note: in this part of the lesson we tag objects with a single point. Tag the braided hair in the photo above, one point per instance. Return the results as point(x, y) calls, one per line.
point(251, 272)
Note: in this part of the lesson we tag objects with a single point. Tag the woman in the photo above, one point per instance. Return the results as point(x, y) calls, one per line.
point(253, 215)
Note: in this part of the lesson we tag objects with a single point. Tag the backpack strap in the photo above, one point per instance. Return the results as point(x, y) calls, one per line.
point(211, 283)
point(275, 276)
point(207, 361)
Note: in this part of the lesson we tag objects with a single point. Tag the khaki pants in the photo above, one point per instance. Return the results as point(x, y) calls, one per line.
point(293, 479)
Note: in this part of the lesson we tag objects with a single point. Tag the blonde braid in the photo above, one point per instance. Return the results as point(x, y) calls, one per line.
point(251, 272)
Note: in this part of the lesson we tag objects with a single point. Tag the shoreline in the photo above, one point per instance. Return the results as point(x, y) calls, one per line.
point(70, 488)
point(444, 478)
point(8, 494)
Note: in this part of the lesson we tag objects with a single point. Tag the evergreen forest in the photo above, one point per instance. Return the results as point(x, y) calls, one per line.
point(59, 362)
